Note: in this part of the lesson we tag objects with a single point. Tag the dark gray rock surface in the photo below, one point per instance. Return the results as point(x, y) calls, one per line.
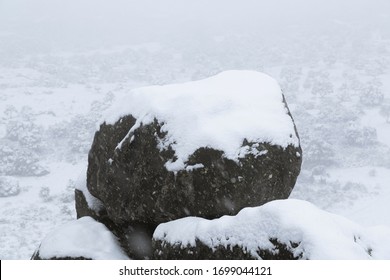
point(36, 256)
point(135, 186)
point(134, 238)
point(166, 251)
point(83, 209)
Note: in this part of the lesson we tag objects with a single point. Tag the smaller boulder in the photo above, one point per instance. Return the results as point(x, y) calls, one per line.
point(281, 229)
point(82, 239)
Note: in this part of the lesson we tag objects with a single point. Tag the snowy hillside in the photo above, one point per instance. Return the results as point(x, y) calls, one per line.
point(56, 85)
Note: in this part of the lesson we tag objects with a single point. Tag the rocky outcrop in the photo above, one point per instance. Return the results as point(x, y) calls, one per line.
point(137, 170)
point(207, 149)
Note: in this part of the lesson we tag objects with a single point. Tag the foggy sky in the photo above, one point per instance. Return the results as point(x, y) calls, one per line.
point(104, 22)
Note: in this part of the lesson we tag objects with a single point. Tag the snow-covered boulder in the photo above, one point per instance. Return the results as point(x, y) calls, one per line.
point(281, 229)
point(206, 148)
point(81, 239)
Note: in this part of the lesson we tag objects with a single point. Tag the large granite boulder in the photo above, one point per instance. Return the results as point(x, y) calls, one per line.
point(206, 148)
point(283, 229)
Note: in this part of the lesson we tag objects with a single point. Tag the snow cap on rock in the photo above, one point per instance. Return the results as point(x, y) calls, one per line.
point(219, 112)
point(81, 238)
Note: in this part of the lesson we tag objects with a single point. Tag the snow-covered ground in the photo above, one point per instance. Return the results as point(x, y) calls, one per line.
point(54, 91)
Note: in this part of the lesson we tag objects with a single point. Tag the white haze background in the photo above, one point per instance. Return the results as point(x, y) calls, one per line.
point(62, 63)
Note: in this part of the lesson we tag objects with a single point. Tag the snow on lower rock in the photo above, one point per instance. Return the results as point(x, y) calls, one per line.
point(319, 234)
point(81, 238)
point(218, 112)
